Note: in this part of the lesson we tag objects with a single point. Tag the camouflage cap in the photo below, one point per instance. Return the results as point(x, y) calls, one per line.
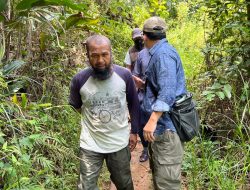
point(136, 33)
point(155, 25)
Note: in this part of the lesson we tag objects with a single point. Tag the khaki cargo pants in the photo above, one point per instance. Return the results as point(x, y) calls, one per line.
point(118, 164)
point(165, 156)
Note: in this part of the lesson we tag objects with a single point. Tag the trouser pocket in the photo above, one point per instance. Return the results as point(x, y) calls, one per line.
point(166, 154)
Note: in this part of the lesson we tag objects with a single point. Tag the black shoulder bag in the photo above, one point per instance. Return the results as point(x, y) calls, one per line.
point(185, 117)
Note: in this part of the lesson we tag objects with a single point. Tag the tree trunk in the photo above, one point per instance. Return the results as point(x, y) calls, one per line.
point(2, 42)
point(29, 41)
point(248, 10)
point(19, 44)
point(8, 36)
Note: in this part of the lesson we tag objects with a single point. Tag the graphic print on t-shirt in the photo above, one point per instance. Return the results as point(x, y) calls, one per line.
point(105, 107)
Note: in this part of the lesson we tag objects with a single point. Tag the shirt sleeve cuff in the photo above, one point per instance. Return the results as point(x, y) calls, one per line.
point(134, 131)
point(160, 106)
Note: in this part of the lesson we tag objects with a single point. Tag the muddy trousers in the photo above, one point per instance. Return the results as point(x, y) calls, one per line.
point(118, 164)
point(165, 156)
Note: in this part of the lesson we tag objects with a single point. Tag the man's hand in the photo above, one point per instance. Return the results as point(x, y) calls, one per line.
point(148, 131)
point(139, 82)
point(132, 141)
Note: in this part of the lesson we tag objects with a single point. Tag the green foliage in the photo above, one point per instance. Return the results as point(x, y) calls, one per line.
point(186, 34)
point(140, 14)
point(216, 165)
point(226, 57)
point(158, 8)
point(28, 4)
point(78, 20)
point(3, 5)
point(12, 66)
point(32, 150)
point(7, 72)
point(219, 90)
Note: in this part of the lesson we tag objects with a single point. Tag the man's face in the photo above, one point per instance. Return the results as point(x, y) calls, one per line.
point(138, 39)
point(100, 56)
point(146, 41)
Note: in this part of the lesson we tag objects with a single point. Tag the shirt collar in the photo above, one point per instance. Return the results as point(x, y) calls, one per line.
point(156, 46)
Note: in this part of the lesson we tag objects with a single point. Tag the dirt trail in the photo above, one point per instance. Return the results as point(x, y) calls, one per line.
point(140, 171)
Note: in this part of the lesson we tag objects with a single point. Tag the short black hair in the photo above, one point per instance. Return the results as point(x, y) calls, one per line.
point(99, 39)
point(154, 36)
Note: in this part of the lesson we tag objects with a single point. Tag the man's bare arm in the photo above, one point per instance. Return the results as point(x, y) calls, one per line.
point(148, 131)
point(139, 82)
point(129, 67)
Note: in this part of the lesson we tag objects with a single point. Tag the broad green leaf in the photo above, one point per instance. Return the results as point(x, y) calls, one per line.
point(13, 158)
point(14, 99)
point(28, 4)
point(3, 5)
point(2, 140)
point(43, 39)
point(79, 20)
point(221, 95)
point(1, 18)
point(25, 142)
point(4, 146)
point(1, 137)
point(33, 122)
point(2, 134)
point(246, 86)
point(35, 136)
point(206, 92)
point(7, 69)
point(210, 97)
point(1, 164)
point(25, 158)
point(45, 105)
point(72, 20)
point(27, 180)
point(216, 86)
point(24, 100)
point(25, 4)
point(87, 22)
point(16, 86)
point(227, 90)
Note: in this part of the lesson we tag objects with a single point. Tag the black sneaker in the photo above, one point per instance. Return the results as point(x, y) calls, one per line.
point(144, 156)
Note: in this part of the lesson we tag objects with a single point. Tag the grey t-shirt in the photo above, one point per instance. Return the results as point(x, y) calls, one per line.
point(104, 106)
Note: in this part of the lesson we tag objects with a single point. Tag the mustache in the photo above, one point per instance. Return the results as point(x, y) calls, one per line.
point(103, 74)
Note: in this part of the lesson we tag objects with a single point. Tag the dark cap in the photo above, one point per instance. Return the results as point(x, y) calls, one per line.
point(136, 33)
point(155, 25)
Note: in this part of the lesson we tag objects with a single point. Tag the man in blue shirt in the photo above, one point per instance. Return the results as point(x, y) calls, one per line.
point(165, 81)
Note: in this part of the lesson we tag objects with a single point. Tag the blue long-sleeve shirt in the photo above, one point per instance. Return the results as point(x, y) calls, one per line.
point(165, 81)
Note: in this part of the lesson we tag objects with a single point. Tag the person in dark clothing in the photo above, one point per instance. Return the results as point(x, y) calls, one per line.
point(131, 61)
point(139, 76)
point(132, 53)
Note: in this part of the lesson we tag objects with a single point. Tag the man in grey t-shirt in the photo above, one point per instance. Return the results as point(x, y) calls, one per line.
point(103, 93)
